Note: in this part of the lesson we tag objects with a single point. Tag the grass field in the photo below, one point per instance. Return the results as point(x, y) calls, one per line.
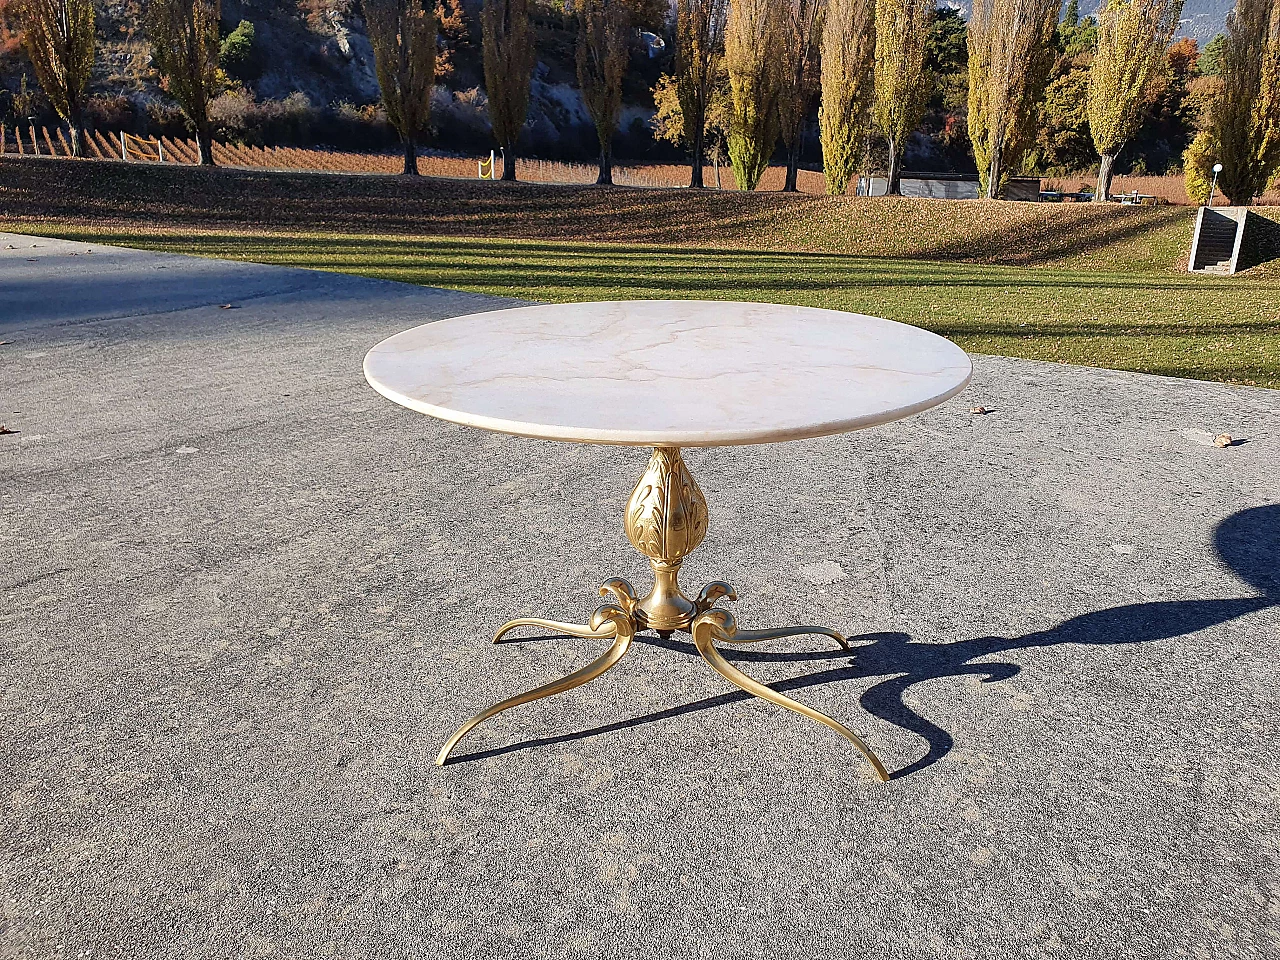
point(1092, 287)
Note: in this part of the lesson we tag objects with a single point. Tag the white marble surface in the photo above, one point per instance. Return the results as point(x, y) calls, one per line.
point(667, 372)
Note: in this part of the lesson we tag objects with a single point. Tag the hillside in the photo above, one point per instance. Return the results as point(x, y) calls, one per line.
point(1201, 19)
point(1110, 237)
point(309, 77)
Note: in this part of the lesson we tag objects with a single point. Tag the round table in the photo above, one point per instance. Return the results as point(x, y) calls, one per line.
point(667, 374)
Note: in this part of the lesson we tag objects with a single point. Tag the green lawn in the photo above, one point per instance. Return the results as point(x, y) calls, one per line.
point(1215, 328)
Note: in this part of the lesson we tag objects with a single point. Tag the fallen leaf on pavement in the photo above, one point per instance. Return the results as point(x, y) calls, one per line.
point(228, 306)
point(980, 411)
point(1225, 440)
point(4, 428)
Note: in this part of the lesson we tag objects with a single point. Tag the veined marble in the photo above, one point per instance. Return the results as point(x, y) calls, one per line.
point(685, 373)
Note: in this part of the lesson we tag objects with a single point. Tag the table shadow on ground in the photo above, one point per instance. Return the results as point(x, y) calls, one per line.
point(1247, 542)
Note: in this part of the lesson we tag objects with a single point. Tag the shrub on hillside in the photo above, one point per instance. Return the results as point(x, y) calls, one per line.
point(112, 113)
point(460, 120)
point(166, 120)
point(239, 117)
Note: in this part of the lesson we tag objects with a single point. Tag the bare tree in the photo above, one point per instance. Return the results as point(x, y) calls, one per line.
point(752, 44)
point(1009, 60)
point(58, 37)
point(799, 75)
point(602, 60)
point(699, 66)
point(184, 48)
point(403, 36)
point(1243, 128)
point(508, 65)
point(1133, 37)
point(848, 55)
point(903, 84)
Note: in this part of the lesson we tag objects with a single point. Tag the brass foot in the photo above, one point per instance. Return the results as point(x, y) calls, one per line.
point(555, 626)
point(719, 625)
point(755, 636)
point(608, 621)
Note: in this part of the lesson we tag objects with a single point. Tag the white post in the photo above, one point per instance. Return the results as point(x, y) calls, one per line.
point(493, 170)
point(160, 149)
point(124, 150)
point(35, 144)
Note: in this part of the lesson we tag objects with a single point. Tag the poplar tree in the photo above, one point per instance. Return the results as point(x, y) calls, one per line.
point(798, 76)
point(903, 85)
point(184, 48)
point(848, 59)
point(1133, 37)
point(508, 66)
point(753, 35)
point(403, 36)
point(699, 64)
point(1010, 55)
point(1243, 128)
point(602, 60)
point(58, 37)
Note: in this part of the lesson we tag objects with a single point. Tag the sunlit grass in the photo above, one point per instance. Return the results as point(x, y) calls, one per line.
point(1213, 328)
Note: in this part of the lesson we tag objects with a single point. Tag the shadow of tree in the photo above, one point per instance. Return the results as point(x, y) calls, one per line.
point(1248, 542)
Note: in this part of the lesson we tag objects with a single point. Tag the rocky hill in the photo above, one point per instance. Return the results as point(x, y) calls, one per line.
point(308, 77)
point(1201, 19)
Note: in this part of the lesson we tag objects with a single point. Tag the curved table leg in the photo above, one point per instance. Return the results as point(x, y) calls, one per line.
point(555, 626)
point(607, 621)
point(719, 625)
point(755, 636)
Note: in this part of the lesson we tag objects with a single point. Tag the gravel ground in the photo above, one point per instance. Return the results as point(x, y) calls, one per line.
point(245, 599)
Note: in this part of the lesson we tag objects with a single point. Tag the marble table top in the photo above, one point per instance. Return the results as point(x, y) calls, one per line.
point(684, 373)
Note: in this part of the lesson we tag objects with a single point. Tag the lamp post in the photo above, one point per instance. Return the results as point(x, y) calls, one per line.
point(1217, 169)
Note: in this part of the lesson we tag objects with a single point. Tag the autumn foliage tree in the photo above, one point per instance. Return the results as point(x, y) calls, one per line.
point(184, 48)
point(1133, 36)
point(602, 59)
point(508, 66)
point(903, 85)
point(403, 36)
point(848, 58)
point(1243, 125)
point(699, 64)
point(10, 32)
point(798, 77)
point(58, 38)
point(1010, 54)
point(752, 38)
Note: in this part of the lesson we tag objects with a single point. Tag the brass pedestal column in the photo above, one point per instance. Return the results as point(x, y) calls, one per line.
point(666, 519)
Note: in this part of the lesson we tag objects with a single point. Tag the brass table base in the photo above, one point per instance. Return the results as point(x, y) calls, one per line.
point(666, 520)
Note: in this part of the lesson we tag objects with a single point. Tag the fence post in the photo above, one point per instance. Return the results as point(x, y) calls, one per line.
point(35, 144)
point(160, 149)
point(124, 150)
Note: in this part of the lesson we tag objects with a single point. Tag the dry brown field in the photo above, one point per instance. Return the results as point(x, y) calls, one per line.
point(53, 142)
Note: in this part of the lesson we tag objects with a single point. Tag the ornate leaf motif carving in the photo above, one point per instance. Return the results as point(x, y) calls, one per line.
point(667, 515)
